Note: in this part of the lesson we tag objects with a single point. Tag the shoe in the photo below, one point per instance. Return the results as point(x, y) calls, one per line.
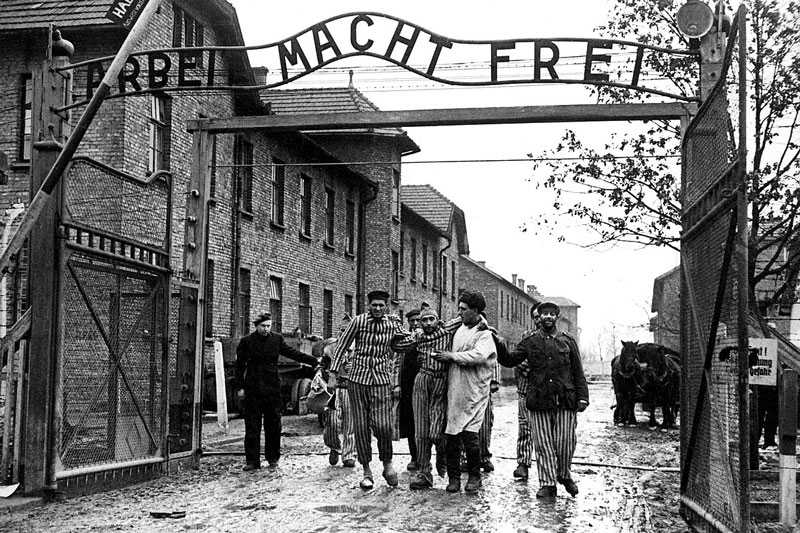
point(412, 466)
point(367, 483)
point(547, 491)
point(333, 457)
point(570, 485)
point(249, 467)
point(349, 463)
point(389, 475)
point(487, 465)
point(273, 465)
point(473, 483)
point(421, 481)
point(521, 472)
point(454, 485)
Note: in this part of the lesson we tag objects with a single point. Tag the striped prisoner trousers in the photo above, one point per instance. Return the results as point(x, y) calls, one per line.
point(371, 406)
point(524, 437)
point(554, 439)
point(430, 407)
point(340, 422)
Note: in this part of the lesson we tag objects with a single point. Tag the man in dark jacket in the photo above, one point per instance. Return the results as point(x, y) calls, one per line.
point(258, 382)
point(408, 373)
point(556, 392)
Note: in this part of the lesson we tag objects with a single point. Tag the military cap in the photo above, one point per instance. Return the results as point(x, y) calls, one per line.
point(378, 295)
point(263, 317)
point(412, 314)
point(548, 305)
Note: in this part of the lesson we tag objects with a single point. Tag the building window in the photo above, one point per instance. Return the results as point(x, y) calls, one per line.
point(395, 276)
point(305, 205)
point(502, 303)
point(413, 259)
point(305, 317)
point(244, 301)
point(278, 187)
point(243, 172)
point(435, 269)
point(444, 276)
point(330, 215)
point(453, 280)
point(424, 264)
point(159, 126)
point(276, 303)
point(327, 313)
point(186, 31)
point(396, 194)
point(208, 311)
point(348, 304)
point(25, 117)
point(402, 266)
point(350, 229)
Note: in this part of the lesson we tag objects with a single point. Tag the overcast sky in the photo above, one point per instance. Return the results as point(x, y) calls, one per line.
point(612, 285)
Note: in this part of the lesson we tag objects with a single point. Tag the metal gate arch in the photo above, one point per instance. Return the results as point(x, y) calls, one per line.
point(113, 372)
point(714, 309)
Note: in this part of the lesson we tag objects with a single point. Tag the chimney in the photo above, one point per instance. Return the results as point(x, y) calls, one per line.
point(514, 279)
point(532, 291)
point(521, 284)
point(260, 74)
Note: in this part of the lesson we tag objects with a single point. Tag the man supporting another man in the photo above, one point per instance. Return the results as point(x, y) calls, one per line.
point(471, 368)
point(258, 383)
point(557, 390)
point(373, 382)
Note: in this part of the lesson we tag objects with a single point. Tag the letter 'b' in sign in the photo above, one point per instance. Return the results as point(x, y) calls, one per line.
point(125, 12)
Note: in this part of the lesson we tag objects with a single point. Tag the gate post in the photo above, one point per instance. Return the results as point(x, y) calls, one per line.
point(186, 396)
point(42, 410)
point(788, 447)
point(712, 55)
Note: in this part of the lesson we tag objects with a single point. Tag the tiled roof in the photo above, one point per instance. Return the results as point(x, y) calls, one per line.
point(329, 100)
point(25, 14)
point(322, 100)
point(429, 204)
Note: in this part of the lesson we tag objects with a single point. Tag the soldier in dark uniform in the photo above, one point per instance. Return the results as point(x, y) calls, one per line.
point(557, 391)
point(408, 373)
point(257, 381)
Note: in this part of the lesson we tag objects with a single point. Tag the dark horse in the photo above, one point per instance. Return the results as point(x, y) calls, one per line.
point(648, 373)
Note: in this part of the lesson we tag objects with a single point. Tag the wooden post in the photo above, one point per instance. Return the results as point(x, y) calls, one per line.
point(788, 447)
point(48, 87)
point(712, 54)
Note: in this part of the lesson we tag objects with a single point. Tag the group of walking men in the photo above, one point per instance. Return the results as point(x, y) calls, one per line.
point(450, 397)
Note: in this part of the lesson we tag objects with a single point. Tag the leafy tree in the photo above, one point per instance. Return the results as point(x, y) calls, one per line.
point(636, 199)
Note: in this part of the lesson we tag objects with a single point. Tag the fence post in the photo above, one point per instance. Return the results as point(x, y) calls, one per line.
point(788, 447)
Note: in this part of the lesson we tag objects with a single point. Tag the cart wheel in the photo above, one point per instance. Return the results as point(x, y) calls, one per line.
point(300, 389)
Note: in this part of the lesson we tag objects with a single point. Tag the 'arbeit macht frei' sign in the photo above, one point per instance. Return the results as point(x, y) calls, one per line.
point(412, 47)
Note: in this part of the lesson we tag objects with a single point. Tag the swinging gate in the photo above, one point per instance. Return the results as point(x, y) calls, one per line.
point(714, 307)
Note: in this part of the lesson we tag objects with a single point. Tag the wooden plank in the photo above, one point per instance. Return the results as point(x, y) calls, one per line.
point(447, 117)
point(787, 496)
point(21, 358)
point(8, 411)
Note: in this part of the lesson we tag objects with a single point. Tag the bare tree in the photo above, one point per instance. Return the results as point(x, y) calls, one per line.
point(629, 190)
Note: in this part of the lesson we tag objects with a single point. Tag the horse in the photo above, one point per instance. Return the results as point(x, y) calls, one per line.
point(648, 373)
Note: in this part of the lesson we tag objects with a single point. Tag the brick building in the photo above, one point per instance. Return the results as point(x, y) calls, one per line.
point(665, 323)
point(432, 238)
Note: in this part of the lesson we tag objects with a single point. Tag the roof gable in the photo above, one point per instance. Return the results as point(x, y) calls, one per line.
point(27, 14)
point(429, 204)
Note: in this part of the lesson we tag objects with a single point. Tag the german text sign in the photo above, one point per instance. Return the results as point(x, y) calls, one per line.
point(765, 371)
point(125, 12)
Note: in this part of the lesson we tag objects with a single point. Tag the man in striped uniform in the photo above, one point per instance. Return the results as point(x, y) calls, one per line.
point(373, 382)
point(556, 392)
point(471, 361)
point(429, 393)
point(524, 437)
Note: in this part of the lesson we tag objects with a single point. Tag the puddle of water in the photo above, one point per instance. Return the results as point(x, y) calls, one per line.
point(351, 509)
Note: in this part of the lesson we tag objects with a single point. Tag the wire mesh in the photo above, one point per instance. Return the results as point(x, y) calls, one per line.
point(112, 353)
point(103, 198)
point(712, 407)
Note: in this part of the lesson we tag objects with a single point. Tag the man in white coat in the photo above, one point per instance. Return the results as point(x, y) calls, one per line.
point(473, 359)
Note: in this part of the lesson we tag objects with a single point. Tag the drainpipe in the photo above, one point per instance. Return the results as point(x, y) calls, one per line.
point(15, 211)
point(443, 281)
point(362, 245)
